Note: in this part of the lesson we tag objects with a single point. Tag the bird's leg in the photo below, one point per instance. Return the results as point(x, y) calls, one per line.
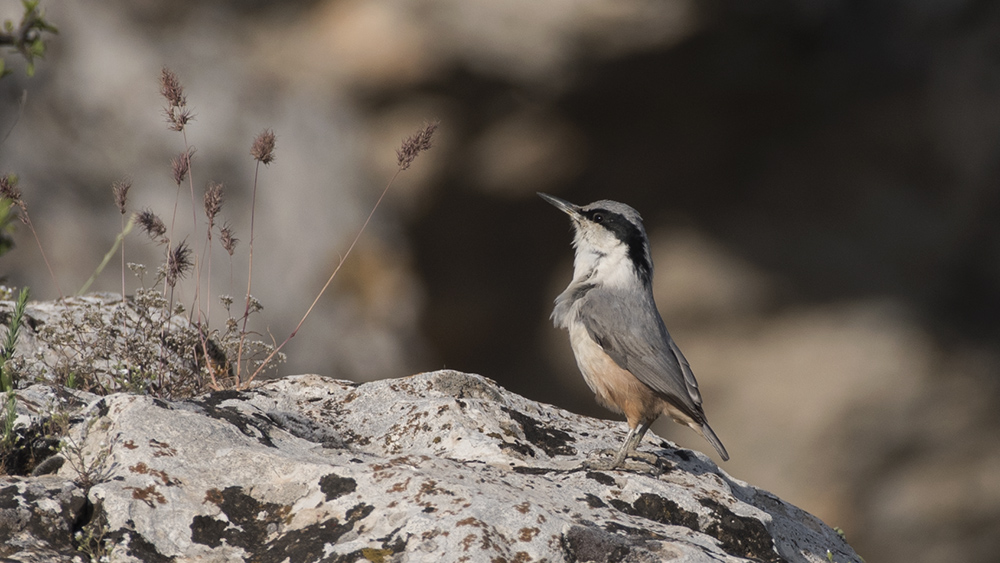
point(627, 450)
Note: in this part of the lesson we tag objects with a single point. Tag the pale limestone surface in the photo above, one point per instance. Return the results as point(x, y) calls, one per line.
point(441, 466)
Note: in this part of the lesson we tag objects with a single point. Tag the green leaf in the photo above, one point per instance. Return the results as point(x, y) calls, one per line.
point(7, 216)
point(37, 48)
point(30, 69)
point(7, 382)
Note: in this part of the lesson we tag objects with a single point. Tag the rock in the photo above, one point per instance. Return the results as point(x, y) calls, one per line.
point(104, 343)
point(440, 466)
point(41, 411)
point(37, 517)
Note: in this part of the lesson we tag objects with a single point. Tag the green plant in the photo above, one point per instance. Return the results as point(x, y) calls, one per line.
point(9, 417)
point(91, 539)
point(7, 216)
point(90, 470)
point(26, 37)
point(7, 381)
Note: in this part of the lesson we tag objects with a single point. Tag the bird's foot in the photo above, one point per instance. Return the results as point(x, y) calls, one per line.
point(645, 463)
point(651, 459)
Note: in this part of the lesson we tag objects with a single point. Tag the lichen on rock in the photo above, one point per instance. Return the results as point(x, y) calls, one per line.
point(441, 466)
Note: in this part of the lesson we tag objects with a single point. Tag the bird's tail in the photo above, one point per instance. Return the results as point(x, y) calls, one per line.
point(707, 433)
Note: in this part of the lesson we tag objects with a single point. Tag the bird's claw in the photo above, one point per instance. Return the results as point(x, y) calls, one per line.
point(645, 462)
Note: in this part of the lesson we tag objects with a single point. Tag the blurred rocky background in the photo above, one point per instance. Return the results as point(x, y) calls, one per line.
point(819, 180)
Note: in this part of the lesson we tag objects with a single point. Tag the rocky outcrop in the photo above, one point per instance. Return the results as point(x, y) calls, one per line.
point(440, 466)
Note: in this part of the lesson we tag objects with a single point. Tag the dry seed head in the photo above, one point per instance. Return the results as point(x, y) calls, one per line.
point(262, 149)
point(181, 165)
point(176, 111)
point(171, 88)
point(8, 188)
point(213, 202)
point(228, 240)
point(415, 144)
point(120, 190)
point(178, 118)
point(178, 263)
point(152, 224)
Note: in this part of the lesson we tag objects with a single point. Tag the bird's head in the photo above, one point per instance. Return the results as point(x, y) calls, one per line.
point(610, 241)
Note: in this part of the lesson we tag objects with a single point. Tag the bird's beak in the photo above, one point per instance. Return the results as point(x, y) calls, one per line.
point(561, 204)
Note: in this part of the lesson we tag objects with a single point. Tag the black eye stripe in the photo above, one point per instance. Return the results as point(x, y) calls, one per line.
point(625, 231)
point(598, 215)
point(609, 219)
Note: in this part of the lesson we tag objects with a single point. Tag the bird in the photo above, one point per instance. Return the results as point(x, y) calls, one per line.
point(621, 345)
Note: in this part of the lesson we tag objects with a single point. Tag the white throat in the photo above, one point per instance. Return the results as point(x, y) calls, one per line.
point(608, 267)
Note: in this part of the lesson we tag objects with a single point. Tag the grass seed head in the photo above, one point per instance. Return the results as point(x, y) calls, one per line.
point(176, 111)
point(120, 190)
point(171, 89)
point(178, 263)
point(9, 189)
point(213, 202)
point(415, 144)
point(262, 149)
point(180, 165)
point(228, 240)
point(152, 224)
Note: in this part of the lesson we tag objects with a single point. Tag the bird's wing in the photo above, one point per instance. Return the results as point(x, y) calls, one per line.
point(632, 333)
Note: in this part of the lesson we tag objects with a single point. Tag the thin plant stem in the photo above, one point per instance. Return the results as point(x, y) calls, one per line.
point(45, 258)
point(119, 241)
point(190, 175)
point(196, 305)
point(20, 111)
point(123, 253)
point(412, 146)
point(246, 311)
point(170, 234)
point(168, 311)
point(207, 252)
point(131, 221)
point(328, 281)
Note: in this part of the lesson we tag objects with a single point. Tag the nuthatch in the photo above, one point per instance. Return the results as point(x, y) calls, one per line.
point(622, 347)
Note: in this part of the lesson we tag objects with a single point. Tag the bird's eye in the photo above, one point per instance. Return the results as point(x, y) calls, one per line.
point(598, 217)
